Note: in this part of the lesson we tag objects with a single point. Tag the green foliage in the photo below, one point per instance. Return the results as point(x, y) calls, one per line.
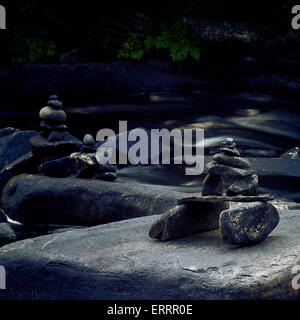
point(31, 50)
point(175, 38)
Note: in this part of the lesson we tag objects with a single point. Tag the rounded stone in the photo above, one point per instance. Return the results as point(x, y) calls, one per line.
point(226, 171)
point(88, 140)
point(236, 162)
point(53, 127)
point(50, 114)
point(212, 185)
point(106, 176)
point(54, 104)
point(246, 186)
point(56, 136)
point(248, 223)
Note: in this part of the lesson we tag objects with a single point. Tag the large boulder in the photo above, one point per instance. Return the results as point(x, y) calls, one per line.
point(120, 261)
point(37, 199)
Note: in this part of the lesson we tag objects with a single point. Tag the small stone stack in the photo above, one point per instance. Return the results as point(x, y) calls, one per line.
point(229, 164)
point(54, 141)
point(53, 120)
point(89, 144)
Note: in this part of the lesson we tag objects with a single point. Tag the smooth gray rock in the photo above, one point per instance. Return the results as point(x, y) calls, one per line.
point(14, 146)
point(7, 234)
point(57, 136)
point(43, 148)
point(225, 171)
point(88, 140)
point(43, 200)
point(184, 220)
point(212, 185)
point(248, 223)
point(119, 261)
point(53, 127)
point(236, 162)
point(246, 186)
point(54, 115)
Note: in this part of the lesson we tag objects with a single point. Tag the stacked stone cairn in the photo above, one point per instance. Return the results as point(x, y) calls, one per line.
point(62, 155)
point(250, 219)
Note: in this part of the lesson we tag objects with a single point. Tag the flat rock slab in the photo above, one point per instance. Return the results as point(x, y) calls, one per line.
point(35, 199)
point(213, 199)
point(120, 261)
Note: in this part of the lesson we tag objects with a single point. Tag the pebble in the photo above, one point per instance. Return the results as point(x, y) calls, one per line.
point(54, 104)
point(226, 171)
point(230, 152)
point(88, 140)
point(53, 127)
point(212, 185)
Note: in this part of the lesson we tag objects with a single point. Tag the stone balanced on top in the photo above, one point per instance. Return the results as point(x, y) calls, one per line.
point(248, 222)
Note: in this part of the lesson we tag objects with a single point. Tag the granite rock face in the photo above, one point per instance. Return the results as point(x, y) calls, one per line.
point(184, 220)
point(247, 224)
point(37, 199)
point(119, 261)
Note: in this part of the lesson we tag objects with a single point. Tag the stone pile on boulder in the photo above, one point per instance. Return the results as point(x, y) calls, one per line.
point(250, 221)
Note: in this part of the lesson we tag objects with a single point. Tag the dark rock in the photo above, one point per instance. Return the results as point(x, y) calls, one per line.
point(5, 176)
point(51, 114)
point(236, 162)
point(118, 261)
point(184, 220)
point(212, 185)
point(27, 163)
point(292, 153)
point(7, 234)
point(55, 104)
point(7, 131)
point(248, 223)
point(67, 166)
point(246, 186)
point(53, 127)
point(225, 171)
point(213, 199)
point(43, 200)
point(106, 176)
point(14, 146)
point(43, 148)
point(53, 97)
point(57, 136)
point(2, 216)
point(231, 152)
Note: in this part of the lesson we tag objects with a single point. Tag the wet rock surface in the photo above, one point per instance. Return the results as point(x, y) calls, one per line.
point(37, 199)
point(7, 234)
point(246, 187)
point(120, 261)
point(213, 185)
point(247, 224)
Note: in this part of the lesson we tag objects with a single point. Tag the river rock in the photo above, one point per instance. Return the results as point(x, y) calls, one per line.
point(236, 162)
point(225, 171)
point(212, 185)
point(88, 140)
point(246, 186)
point(43, 148)
point(14, 146)
point(67, 166)
point(184, 220)
point(53, 97)
point(55, 104)
point(26, 163)
point(118, 261)
point(43, 200)
point(7, 234)
point(106, 176)
point(230, 152)
point(55, 136)
point(51, 114)
point(53, 127)
point(248, 223)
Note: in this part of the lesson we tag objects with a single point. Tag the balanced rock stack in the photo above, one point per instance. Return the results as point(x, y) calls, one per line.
point(228, 164)
point(54, 141)
point(250, 221)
